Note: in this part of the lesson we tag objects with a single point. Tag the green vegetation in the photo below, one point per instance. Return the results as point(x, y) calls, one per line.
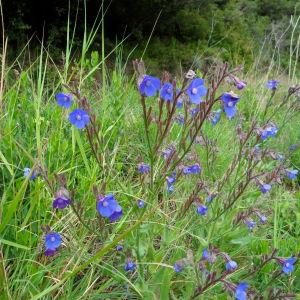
point(36, 133)
point(233, 30)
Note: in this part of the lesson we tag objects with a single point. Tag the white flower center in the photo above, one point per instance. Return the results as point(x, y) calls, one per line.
point(230, 104)
point(169, 91)
point(78, 117)
point(105, 203)
point(148, 83)
point(52, 238)
point(194, 91)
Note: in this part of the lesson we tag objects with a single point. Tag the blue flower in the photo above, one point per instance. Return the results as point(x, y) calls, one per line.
point(61, 202)
point(288, 265)
point(293, 147)
point(52, 240)
point(180, 119)
point(179, 104)
point(149, 86)
point(193, 169)
point(216, 116)
point(170, 182)
point(269, 131)
point(140, 203)
point(117, 214)
point(194, 111)
point(130, 266)
point(166, 92)
point(50, 252)
point(265, 188)
point(119, 247)
point(202, 210)
point(262, 219)
point(206, 255)
point(196, 90)
point(241, 291)
point(231, 265)
point(240, 84)
point(250, 224)
point(27, 173)
point(229, 104)
point(292, 174)
point(143, 168)
point(210, 197)
point(279, 157)
point(168, 152)
point(178, 267)
point(79, 118)
point(108, 205)
point(64, 100)
point(170, 188)
point(272, 84)
point(257, 148)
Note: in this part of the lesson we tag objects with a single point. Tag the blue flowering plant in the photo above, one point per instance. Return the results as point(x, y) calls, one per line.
point(165, 180)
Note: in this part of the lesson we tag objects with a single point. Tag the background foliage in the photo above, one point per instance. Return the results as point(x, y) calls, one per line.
point(231, 29)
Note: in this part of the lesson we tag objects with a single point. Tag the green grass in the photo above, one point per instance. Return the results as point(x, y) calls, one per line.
point(36, 132)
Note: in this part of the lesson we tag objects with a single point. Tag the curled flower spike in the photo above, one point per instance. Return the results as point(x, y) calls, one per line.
point(241, 291)
point(272, 84)
point(269, 131)
point(265, 188)
point(202, 210)
point(149, 86)
point(27, 171)
point(288, 265)
point(193, 169)
point(231, 265)
point(196, 91)
point(52, 241)
point(64, 100)
point(166, 92)
point(229, 104)
point(79, 118)
point(140, 203)
point(130, 266)
point(292, 174)
point(61, 202)
point(143, 168)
